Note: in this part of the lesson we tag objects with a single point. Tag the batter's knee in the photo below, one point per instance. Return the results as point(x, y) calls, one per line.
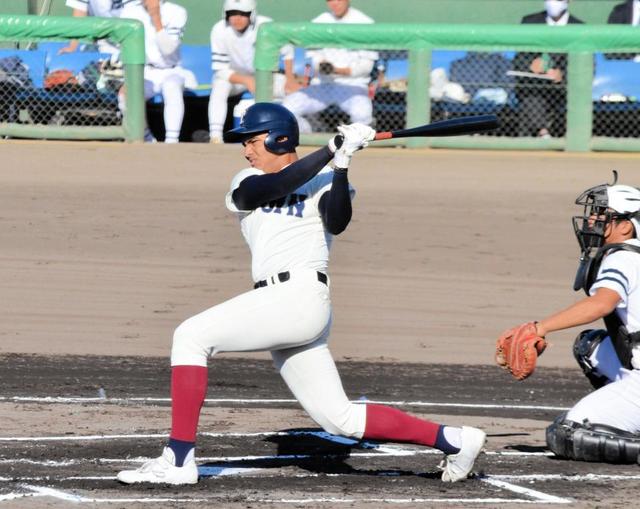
point(349, 423)
point(185, 349)
point(592, 442)
point(583, 348)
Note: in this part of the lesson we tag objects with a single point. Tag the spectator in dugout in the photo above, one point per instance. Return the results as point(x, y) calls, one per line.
point(341, 76)
point(101, 9)
point(541, 88)
point(626, 13)
point(233, 41)
point(163, 73)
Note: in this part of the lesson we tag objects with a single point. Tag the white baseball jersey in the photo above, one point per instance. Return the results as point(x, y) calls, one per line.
point(101, 8)
point(232, 51)
point(359, 61)
point(288, 233)
point(620, 272)
point(616, 404)
point(174, 19)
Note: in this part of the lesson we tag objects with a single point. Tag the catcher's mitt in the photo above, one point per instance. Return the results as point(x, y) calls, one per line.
point(517, 350)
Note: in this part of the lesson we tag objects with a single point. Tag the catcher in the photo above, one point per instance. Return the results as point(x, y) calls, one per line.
point(604, 425)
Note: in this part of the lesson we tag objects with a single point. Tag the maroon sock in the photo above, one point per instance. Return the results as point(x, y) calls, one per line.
point(393, 425)
point(188, 390)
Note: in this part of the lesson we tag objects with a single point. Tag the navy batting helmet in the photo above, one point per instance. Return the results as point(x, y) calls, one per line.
point(270, 118)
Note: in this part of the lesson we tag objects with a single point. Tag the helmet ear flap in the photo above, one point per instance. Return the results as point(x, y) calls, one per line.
point(280, 142)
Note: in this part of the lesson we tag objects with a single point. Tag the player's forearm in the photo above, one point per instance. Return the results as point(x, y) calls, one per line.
point(153, 8)
point(582, 312)
point(335, 205)
point(257, 190)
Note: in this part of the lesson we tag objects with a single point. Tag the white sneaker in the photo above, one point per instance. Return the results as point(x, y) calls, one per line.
point(163, 470)
point(457, 466)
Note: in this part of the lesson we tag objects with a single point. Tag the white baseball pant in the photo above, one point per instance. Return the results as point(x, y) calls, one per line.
point(171, 84)
point(222, 89)
point(353, 100)
point(292, 320)
point(616, 404)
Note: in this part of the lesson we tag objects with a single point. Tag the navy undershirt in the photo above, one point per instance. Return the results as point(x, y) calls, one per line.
point(334, 205)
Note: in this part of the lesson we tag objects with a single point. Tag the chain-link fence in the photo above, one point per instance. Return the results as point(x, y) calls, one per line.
point(526, 90)
point(58, 78)
point(45, 84)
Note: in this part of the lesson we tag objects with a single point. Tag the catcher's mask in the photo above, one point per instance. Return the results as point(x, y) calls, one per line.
point(602, 205)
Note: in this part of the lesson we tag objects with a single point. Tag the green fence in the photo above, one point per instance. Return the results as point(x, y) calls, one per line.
point(22, 29)
point(580, 42)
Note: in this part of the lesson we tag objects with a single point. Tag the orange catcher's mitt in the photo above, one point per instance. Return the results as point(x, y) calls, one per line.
point(517, 350)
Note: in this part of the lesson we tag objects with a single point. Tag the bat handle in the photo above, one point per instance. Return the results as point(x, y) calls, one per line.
point(385, 135)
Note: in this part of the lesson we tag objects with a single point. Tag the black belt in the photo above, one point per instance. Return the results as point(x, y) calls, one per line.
point(285, 276)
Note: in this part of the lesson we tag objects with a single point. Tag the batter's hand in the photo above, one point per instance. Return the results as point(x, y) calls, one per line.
point(354, 137)
point(517, 350)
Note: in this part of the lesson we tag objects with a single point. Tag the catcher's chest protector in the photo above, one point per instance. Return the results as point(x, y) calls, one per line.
point(622, 340)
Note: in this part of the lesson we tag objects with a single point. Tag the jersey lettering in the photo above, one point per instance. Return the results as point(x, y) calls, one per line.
point(294, 203)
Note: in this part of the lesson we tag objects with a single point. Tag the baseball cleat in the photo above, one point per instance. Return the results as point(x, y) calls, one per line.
point(162, 470)
point(457, 466)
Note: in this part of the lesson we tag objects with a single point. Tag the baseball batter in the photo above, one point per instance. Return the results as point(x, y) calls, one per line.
point(289, 211)
point(604, 425)
point(341, 76)
point(162, 71)
point(233, 41)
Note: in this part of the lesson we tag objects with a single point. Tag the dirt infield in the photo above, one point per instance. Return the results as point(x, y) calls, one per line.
point(106, 248)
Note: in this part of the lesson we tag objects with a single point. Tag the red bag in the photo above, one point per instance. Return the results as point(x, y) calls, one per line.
point(61, 77)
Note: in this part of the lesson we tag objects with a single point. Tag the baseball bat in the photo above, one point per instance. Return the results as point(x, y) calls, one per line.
point(451, 127)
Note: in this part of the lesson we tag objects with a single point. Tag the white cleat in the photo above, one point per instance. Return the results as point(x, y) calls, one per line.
point(162, 470)
point(457, 466)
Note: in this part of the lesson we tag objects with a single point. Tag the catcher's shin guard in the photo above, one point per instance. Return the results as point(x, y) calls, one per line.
point(592, 442)
point(583, 347)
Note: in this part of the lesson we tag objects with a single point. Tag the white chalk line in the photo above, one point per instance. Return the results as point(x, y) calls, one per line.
point(225, 459)
point(521, 490)
point(535, 496)
point(240, 401)
point(73, 497)
point(210, 472)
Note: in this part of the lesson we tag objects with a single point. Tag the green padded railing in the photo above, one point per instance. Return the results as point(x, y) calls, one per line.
point(128, 33)
point(579, 41)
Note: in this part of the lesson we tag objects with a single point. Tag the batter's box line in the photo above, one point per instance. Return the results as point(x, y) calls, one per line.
point(44, 491)
point(537, 495)
point(258, 401)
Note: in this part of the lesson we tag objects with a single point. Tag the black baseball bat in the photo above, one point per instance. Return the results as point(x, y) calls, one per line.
point(451, 127)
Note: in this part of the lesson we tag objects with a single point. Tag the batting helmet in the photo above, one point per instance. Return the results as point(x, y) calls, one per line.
point(274, 119)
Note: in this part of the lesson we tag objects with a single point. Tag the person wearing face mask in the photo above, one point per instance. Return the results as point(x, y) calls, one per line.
point(626, 13)
point(541, 86)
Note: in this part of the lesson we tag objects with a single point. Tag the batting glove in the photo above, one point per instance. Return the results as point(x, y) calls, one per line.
point(355, 137)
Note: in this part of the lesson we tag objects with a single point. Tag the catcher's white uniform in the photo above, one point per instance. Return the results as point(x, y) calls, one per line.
point(290, 319)
point(350, 93)
point(616, 404)
point(162, 71)
point(232, 51)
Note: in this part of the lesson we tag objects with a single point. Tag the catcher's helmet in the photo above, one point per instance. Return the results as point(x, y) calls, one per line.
point(602, 204)
point(274, 119)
